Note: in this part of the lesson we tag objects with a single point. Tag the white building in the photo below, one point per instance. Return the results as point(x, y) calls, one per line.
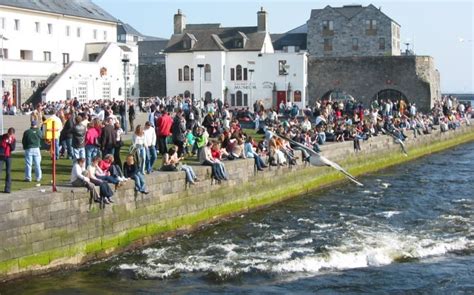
point(55, 50)
point(236, 64)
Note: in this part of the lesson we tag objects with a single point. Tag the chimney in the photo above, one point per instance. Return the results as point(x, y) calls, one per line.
point(179, 22)
point(262, 20)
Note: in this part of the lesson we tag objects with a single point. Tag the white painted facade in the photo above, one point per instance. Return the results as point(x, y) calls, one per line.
point(263, 83)
point(39, 44)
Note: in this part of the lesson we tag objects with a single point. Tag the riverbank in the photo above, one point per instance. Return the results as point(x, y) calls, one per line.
point(42, 231)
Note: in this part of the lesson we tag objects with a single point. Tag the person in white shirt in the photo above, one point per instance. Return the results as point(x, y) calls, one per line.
point(78, 178)
point(138, 141)
point(150, 142)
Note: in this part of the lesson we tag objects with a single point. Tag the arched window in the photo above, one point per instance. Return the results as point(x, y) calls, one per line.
point(187, 94)
point(208, 96)
point(180, 74)
point(186, 73)
point(239, 98)
point(207, 72)
point(238, 73)
point(120, 91)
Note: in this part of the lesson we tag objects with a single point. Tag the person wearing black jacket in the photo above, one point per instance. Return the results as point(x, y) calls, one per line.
point(65, 137)
point(108, 138)
point(79, 139)
point(178, 130)
point(131, 116)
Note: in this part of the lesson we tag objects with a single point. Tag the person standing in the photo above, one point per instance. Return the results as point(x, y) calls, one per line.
point(7, 145)
point(48, 132)
point(163, 126)
point(131, 116)
point(178, 130)
point(78, 139)
point(31, 145)
point(108, 138)
point(150, 142)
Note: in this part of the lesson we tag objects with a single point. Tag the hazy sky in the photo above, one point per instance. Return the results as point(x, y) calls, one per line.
point(443, 29)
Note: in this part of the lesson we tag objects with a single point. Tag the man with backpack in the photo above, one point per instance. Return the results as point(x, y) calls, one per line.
point(7, 145)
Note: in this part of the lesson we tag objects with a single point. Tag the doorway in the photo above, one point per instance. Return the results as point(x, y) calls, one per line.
point(281, 97)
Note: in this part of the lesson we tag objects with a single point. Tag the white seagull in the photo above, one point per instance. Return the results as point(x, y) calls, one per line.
point(316, 159)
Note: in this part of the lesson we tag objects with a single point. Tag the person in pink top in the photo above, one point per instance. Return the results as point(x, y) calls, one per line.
point(163, 127)
point(92, 140)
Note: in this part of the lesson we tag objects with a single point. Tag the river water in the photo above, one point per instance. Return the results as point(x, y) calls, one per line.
point(409, 230)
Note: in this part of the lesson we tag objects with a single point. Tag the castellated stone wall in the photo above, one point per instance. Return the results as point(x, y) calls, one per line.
point(363, 77)
point(41, 231)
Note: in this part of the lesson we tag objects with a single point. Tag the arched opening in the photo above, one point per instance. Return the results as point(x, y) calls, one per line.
point(207, 72)
point(208, 96)
point(187, 94)
point(186, 73)
point(335, 95)
point(392, 94)
point(239, 98)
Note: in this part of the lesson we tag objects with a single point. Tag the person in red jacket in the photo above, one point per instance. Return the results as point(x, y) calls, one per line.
point(163, 127)
point(7, 145)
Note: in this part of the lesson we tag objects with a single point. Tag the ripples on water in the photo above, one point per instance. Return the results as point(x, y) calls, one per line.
point(409, 229)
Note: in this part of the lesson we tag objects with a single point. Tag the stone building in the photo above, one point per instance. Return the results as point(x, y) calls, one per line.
point(352, 30)
point(152, 67)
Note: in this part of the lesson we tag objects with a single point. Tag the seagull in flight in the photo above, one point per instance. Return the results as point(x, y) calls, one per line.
point(316, 159)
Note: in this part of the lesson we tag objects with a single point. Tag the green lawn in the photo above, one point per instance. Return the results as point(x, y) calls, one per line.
point(63, 167)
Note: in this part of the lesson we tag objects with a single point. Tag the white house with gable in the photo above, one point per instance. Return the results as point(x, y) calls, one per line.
point(55, 50)
point(235, 64)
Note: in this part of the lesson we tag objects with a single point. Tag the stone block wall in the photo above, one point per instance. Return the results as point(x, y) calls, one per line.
point(42, 230)
point(152, 79)
point(364, 77)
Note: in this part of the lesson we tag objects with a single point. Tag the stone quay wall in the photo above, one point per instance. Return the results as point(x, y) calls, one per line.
point(43, 231)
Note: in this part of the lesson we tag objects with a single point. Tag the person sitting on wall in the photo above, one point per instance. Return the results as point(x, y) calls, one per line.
point(171, 163)
point(251, 153)
point(218, 169)
point(108, 165)
point(97, 175)
point(132, 171)
point(79, 179)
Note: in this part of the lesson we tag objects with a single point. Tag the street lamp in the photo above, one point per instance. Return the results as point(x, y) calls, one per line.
point(287, 68)
point(1, 82)
point(200, 66)
point(125, 61)
point(251, 84)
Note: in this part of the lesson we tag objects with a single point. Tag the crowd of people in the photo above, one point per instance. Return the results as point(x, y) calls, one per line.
point(90, 135)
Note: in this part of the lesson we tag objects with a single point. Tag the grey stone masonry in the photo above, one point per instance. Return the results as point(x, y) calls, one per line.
point(352, 31)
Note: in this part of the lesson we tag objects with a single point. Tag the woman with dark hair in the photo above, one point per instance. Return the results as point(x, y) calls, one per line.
point(218, 169)
point(131, 170)
point(7, 145)
point(171, 163)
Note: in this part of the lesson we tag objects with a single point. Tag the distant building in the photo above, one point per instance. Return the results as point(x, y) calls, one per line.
point(55, 50)
point(235, 64)
point(352, 30)
point(152, 67)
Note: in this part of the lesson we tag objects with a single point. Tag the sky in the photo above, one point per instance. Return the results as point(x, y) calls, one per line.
point(442, 29)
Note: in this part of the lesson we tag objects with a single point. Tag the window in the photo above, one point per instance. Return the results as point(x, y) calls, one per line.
point(68, 30)
point(37, 27)
point(245, 74)
point(47, 55)
point(282, 68)
point(105, 35)
point(207, 72)
point(208, 96)
point(186, 73)
point(65, 59)
point(16, 25)
point(180, 74)
point(239, 98)
point(135, 38)
point(78, 32)
point(94, 34)
point(5, 54)
point(355, 44)
point(381, 43)
point(2, 23)
point(120, 91)
point(327, 27)
point(238, 73)
point(297, 96)
point(239, 43)
point(133, 90)
point(246, 99)
point(26, 54)
point(232, 99)
point(50, 29)
point(232, 74)
point(371, 27)
point(192, 74)
point(327, 44)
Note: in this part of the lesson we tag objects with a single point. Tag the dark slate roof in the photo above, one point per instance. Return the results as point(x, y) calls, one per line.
point(286, 39)
point(303, 29)
point(123, 28)
point(211, 37)
point(348, 11)
point(79, 8)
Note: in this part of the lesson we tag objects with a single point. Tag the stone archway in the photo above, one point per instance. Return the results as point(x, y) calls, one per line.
point(336, 94)
point(391, 94)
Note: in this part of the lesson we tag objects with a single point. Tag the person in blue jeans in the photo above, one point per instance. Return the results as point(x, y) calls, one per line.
point(31, 145)
point(131, 170)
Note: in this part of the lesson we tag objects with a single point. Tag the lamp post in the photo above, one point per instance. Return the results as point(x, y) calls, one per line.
point(125, 61)
point(251, 84)
point(200, 66)
point(1, 82)
point(287, 68)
